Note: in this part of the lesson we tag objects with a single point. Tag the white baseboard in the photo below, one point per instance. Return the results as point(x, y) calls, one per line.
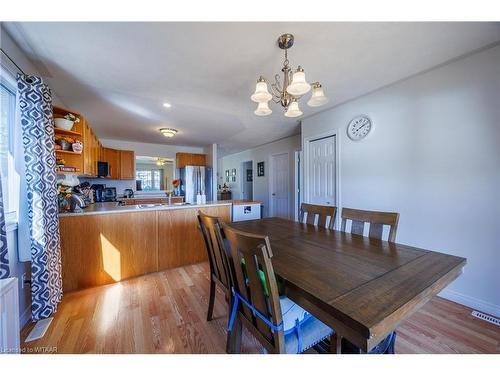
point(25, 317)
point(471, 302)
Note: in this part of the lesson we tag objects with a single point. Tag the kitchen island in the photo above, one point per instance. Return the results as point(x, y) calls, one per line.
point(107, 242)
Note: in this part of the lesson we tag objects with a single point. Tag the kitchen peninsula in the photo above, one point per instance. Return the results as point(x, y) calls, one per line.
point(107, 242)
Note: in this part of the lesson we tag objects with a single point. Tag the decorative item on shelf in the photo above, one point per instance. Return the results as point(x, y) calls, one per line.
point(288, 92)
point(60, 162)
point(64, 143)
point(77, 147)
point(260, 169)
point(176, 184)
point(67, 122)
point(63, 169)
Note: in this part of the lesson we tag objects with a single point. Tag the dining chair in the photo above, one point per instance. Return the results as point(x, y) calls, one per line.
point(280, 325)
point(376, 219)
point(219, 271)
point(309, 211)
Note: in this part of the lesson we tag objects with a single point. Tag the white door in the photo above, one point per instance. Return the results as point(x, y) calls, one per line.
point(279, 186)
point(321, 178)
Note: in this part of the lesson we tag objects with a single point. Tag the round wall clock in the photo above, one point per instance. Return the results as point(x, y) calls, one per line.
point(359, 127)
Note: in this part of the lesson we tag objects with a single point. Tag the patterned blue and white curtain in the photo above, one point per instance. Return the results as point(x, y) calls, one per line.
point(36, 117)
point(4, 253)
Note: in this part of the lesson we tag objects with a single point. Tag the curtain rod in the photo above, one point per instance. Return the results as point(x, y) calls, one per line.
point(12, 61)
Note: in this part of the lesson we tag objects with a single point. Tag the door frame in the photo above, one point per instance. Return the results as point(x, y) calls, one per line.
point(270, 181)
point(243, 177)
point(298, 165)
point(305, 162)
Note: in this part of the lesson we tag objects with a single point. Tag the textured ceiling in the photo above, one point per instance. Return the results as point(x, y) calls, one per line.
point(119, 74)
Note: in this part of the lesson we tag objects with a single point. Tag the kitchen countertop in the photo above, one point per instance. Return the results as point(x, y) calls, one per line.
point(114, 207)
point(242, 202)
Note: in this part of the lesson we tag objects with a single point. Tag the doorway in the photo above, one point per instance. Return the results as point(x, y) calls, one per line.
point(246, 183)
point(320, 174)
point(279, 186)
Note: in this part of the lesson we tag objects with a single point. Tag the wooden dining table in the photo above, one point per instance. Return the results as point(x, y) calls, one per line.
point(362, 288)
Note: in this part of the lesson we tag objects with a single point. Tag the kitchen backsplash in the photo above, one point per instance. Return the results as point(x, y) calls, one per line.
point(120, 185)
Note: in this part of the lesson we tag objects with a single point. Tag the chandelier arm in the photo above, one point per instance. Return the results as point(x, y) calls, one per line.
point(275, 90)
point(277, 82)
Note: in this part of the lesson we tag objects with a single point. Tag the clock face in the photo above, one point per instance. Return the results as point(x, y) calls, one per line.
point(359, 127)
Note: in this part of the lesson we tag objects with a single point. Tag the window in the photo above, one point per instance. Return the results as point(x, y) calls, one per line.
point(150, 179)
point(10, 178)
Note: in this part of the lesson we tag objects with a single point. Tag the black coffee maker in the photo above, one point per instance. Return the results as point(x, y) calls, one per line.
point(98, 192)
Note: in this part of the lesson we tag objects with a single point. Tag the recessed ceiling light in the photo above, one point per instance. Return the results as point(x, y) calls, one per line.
point(168, 132)
point(167, 105)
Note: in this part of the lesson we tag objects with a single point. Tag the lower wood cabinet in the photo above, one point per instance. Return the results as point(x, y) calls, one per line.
point(106, 248)
point(102, 249)
point(179, 239)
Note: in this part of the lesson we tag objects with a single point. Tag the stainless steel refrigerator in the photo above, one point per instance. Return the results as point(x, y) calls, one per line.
point(196, 180)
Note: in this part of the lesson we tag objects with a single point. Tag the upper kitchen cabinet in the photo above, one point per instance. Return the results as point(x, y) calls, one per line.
point(90, 151)
point(182, 159)
point(112, 157)
point(127, 165)
point(121, 163)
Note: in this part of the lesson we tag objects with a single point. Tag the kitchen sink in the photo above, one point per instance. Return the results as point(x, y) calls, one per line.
point(161, 204)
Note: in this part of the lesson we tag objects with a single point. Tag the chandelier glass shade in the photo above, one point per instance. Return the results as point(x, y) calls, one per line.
point(288, 89)
point(263, 109)
point(293, 110)
point(318, 97)
point(261, 94)
point(299, 86)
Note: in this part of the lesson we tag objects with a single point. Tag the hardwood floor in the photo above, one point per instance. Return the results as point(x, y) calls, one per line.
point(165, 312)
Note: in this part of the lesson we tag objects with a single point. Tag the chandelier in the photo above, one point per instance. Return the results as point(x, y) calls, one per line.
point(160, 162)
point(288, 91)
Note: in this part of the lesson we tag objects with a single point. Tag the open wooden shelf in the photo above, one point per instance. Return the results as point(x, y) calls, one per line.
point(66, 132)
point(68, 152)
point(63, 172)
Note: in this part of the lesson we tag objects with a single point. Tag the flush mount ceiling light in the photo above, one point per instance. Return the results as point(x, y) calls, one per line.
point(160, 162)
point(168, 132)
point(288, 92)
point(167, 105)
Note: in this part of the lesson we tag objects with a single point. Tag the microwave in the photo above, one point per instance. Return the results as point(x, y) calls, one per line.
point(102, 169)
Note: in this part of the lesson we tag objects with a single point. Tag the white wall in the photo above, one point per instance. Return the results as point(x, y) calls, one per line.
point(433, 156)
point(258, 154)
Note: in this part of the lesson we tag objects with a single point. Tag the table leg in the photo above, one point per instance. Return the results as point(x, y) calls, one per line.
point(336, 344)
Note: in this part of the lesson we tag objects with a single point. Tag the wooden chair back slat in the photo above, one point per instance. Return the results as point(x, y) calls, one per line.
point(212, 235)
point(377, 220)
point(256, 252)
point(357, 227)
point(376, 230)
point(308, 213)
